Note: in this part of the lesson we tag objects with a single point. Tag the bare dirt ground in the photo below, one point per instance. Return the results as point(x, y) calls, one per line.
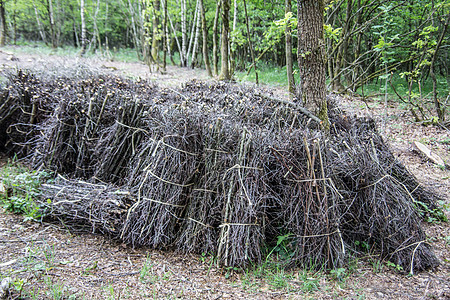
point(53, 263)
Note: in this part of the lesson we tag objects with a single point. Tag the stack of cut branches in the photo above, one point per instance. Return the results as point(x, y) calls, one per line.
point(87, 207)
point(219, 168)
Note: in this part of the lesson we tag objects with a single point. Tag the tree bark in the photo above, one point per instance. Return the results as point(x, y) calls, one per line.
point(83, 29)
point(311, 57)
point(197, 34)
point(164, 34)
point(437, 105)
point(183, 34)
point(289, 63)
point(2, 24)
point(52, 23)
point(180, 48)
point(215, 38)
point(15, 22)
point(192, 35)
point(156, 35)
point(224, 50)
point(250, 42)
point(41, 32)
point(205, 39)
point(96, 38)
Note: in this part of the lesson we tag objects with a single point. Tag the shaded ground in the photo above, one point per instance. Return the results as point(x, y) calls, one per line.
point(54, 262)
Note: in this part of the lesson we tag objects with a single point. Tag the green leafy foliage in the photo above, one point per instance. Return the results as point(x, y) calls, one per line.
point(22, 189)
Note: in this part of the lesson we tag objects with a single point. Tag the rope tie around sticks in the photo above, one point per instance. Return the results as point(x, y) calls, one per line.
point(169, 182)
point(237, 224)
point(161, 142)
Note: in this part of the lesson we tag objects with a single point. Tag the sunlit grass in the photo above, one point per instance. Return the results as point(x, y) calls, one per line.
point(40, 48)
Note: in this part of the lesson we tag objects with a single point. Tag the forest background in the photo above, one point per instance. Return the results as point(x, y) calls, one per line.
point(395, 49)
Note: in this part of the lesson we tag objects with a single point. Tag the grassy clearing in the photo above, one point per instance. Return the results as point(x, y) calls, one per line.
point(39, 48)
point(267, 74)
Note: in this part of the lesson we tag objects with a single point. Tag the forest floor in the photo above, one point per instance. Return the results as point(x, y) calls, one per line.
point(52, 263)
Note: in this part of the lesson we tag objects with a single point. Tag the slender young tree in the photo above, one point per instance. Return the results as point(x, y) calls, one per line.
point(83, 29)
point(164, 35)
point(311, 57)
point(183, 52)
point(440, 109)
point(215, 38)
point(156, 35)
point(250, 45)
point(39, 24)
point(224, 50)
point(197, 34)
point(96, 38)
point(205, 39)
point(289, 63)
point(52, 24)
point(2, 24)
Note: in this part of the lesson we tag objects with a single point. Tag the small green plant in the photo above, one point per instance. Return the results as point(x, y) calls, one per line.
point(18, 285)
point(310, 281)
point(377, 265)
point(447, 239)
point(339, 274)
point(229, 271)
point(362, 245)
point(432, 215)
point(23, 188)
point(394, 266)
point(91, 268)
point(56, 290)
point(280, 280)
point(146, 268)
point(110, 290)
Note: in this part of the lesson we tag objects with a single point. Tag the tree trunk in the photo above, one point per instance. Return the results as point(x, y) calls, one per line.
point(205, 39)
point(15, 22)
point(52, 23)
point(250, 42)
point(156, 36)
point(183, 34)
point(96, 38)
point(192, 35)
point(231, 53)
point(215, 38)
point(83, 29)
point(2, 24)
point(136, 27)
point(289, 63)
point(197, 33)
point(180, 47)
point(164, 34)
point(440, 110)
point(311, 57)
point(41, 32)
point(224, 50)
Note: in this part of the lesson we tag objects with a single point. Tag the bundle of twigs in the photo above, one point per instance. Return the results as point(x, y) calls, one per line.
point(385, 198)
point(87, 207)
point(23, 104)
point(89, 116)
point(161, 175)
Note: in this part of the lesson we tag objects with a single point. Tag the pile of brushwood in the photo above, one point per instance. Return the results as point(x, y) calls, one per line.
point(216, 168)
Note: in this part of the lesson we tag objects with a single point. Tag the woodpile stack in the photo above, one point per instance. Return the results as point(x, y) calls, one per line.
point(216, 168)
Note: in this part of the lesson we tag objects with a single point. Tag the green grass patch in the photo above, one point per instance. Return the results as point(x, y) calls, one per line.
point(267, 74)
point(40, 48)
